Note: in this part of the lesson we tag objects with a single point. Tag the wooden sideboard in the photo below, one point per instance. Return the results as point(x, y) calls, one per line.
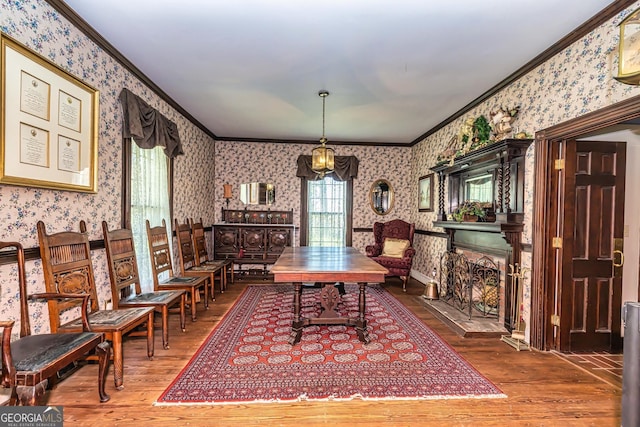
point(253, 236)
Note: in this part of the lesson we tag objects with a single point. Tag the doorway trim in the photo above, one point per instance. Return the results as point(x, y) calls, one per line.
point(543, 257)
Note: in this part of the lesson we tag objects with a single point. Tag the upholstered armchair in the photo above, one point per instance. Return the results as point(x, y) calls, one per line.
point(393, 248)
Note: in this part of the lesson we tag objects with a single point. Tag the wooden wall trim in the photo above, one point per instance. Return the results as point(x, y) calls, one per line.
point(418, 231)
point(90, 32)
point(597, 20)
point(623, 111)
point(539, 279)
point(543, 262)
point(10, 257)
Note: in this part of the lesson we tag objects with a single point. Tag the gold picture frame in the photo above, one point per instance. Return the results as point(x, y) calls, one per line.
point(50, 133)
point(425, 193)
point(629, 50)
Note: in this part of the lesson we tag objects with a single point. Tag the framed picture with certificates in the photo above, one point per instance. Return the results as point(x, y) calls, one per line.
point(50, 137)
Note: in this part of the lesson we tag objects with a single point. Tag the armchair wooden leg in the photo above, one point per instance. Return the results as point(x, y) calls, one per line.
point(31, 395)
point(404, 283)
point(150, 345)
point(182, 313)
point(212, 280)
point(103, 350)
point(118, 367)
point(223, 279)
point(206, 296)
point(165, 327)
point(194, 316)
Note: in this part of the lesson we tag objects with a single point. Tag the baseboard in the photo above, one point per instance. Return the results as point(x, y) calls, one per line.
point(422, 278)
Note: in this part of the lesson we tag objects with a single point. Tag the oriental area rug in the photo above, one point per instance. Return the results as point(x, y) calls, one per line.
point(247, 357)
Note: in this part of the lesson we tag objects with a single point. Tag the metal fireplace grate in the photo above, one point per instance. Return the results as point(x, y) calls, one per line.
point(470, 287)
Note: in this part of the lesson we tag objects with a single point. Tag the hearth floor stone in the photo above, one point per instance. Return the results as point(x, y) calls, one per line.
point(459, 322)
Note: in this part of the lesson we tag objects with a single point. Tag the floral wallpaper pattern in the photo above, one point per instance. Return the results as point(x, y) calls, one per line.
point(244, 162)
point(37, 25)
point(574, 82)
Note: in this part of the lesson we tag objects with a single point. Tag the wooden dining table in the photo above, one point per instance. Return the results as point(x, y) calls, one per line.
point(326, 266)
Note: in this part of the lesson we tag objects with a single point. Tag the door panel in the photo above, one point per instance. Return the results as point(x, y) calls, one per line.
point(591, 294)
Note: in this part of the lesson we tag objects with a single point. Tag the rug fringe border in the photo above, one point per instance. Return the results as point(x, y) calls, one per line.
point(333, 399)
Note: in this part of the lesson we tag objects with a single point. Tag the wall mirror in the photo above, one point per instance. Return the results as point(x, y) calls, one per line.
point(257, 193)
point(479, 188)
point(381, 197)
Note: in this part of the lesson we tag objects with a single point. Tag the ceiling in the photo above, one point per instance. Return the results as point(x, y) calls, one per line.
point(252, 69)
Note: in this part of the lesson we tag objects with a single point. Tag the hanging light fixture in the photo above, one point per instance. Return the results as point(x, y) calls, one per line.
point(322, 157)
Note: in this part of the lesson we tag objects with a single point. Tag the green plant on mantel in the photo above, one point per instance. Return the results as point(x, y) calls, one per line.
point(469, 208)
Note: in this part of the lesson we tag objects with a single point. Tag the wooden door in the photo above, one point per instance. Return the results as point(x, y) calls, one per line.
point(592, 232)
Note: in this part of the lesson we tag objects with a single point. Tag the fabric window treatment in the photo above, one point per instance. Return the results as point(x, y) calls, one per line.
point(149, 200)
point(147, 127)
point(346, 168)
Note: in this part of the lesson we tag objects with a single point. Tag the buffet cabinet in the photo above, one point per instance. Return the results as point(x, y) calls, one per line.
point(252, 236)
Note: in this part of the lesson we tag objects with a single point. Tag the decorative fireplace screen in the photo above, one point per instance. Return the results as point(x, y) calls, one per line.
point(471, 287)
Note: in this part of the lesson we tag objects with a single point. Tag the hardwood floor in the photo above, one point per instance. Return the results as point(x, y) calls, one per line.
point(542, 388)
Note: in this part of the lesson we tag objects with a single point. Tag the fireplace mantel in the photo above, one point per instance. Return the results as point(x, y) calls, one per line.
point(503, 164)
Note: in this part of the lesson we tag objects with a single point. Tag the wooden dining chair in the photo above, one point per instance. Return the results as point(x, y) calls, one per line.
point(125, 281)
point(31, 360)
point(66, 261)
point(162, 265)
point(201, 255)
point(188, 267)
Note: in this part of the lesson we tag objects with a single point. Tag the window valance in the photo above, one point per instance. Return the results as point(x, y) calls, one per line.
point(147, 126)
point(346, 168)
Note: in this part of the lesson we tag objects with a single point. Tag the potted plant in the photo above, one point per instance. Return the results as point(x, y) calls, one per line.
point(470, 211)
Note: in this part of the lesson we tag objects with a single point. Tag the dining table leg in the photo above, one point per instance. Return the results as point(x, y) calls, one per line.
point(297, 325)
point(361, 323)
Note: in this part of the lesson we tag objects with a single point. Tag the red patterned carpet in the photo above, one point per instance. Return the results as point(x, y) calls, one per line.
point(246, 358)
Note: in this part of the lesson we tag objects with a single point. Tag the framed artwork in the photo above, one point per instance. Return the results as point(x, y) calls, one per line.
point(425, 193)
point(50, 133)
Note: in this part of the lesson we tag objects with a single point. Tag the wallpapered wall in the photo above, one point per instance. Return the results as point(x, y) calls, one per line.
point(243, 162)
point(38, 26)
point(576, 81)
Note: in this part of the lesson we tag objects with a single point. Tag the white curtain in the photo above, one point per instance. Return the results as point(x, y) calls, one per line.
point(149, 200)
point(326, 207)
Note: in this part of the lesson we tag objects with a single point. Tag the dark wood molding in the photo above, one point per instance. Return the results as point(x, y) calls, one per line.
point(418, 231)
point(90, 32)
point(363, 230)
point(9, 257)
point(623, 111)
point(597, 20)
point(313, 142)
point(543, 261)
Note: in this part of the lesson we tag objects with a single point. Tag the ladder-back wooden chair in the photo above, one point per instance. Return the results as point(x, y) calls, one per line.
point(125, 281)
point(160, 253)
point(188, 267)
point(201, 256)
point(66, 261)
point(30, 361)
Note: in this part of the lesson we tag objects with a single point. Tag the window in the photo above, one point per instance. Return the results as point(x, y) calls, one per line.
point(150, 191)
point(326, 206)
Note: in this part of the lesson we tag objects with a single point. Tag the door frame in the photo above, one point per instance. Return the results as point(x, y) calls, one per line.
point(543, 256)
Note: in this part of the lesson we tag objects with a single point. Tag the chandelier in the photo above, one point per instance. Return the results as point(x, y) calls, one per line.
point(322, 157)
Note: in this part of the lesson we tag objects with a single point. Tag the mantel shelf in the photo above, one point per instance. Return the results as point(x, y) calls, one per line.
point(487, 227)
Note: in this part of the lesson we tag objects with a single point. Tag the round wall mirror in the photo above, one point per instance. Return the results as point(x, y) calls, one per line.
point(381, 197)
